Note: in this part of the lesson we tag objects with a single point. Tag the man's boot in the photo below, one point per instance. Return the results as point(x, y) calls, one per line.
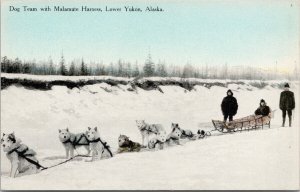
point(283, 122)
point(290, 122)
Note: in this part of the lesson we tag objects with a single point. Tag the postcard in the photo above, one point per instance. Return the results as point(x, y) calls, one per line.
point(150, 95)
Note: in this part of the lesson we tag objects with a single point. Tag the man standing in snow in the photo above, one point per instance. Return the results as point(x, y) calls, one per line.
point(287, 104)
point(229, 106)
point(263, 109)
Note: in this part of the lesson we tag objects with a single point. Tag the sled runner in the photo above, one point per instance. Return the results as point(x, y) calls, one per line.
point(245, 123)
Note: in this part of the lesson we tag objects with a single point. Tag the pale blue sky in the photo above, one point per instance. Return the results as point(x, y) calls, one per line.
point(199, 32)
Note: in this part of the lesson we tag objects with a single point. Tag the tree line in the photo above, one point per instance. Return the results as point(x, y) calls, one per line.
point(147, 69)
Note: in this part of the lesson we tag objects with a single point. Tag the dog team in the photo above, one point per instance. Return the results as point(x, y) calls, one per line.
point(24, 162)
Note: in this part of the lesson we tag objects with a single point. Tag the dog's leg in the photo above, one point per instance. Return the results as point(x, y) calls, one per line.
point(156, 147)
point(14, 169)
point(72, 152)
point(161, 146)
point(14, 165)
point(147, 139)
point(67, 153)
point(88, 150)
point(143, 139)
point(32, 169)
point(94, 152)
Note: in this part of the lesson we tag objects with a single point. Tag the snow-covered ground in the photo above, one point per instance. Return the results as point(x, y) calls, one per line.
point(263, 159)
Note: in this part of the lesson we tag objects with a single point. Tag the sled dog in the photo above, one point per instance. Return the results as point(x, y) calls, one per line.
point(150, 129)
point(174, 136)
point(126, 145)
point(22, 159)
point(201, 134)
point(71, 141)
point(99, 148)
point(154, 143)
point(188, 134)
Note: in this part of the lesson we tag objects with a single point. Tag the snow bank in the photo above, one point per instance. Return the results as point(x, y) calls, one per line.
point(266, 159)
point(146, 83)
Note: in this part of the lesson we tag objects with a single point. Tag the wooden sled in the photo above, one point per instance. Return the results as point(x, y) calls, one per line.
point(245, 123)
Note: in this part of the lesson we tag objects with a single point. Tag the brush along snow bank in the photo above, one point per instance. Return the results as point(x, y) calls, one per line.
point(146, 83)
point(258, 159)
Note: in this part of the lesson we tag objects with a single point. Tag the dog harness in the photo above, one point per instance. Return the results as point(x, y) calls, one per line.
point(104, 145)
point(22, 153)
point(184, 134)
point(172, 138)
point(76, 142)
point(147, 128)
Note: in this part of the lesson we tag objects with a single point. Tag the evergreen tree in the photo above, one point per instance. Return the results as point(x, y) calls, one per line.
point(16, 66)
point(83, 68)
point(128, 70)
point(51, 67)
point(72, 70)
point(5, 63)
point(120, 68)
point(62, 67)
point(161, 70)
point(136, 71)
point(149, 67)
point(187, 71)
point(111, 70)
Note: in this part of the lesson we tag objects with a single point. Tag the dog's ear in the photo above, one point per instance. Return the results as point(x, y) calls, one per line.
point(3, 134)
point(176, 124)
point(95, 128)
point(12, 137)
point(173, 129)
point(59, 130)
point(89, 128)
point(67, 129)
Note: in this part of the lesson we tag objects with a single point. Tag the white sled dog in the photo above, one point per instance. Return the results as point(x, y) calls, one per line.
point(99, 148)
point(70, 141)
point(174, 136)
point(23, 160)
point(151, 129)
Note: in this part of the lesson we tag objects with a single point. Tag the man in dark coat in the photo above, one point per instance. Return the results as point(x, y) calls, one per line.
point(263, 109)
point(287, 104)
point(229, 106)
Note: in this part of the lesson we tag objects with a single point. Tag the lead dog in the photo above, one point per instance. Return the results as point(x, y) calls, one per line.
point(148, 130)
point(22, 159)
point(100, 149)
point(70, 141)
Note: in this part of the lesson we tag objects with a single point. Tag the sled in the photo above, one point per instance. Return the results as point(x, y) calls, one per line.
point(245, 123)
